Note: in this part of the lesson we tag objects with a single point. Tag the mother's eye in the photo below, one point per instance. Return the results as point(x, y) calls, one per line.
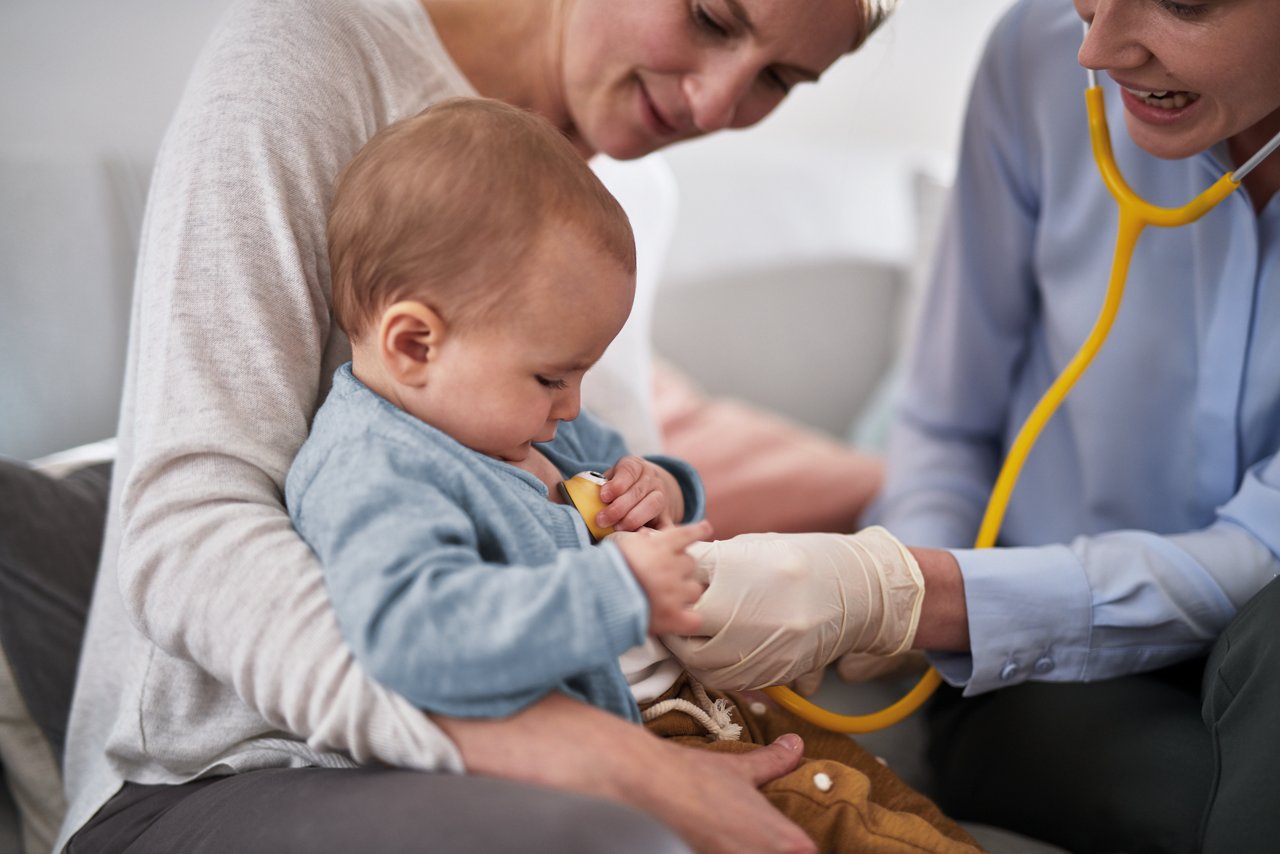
point(707, 22)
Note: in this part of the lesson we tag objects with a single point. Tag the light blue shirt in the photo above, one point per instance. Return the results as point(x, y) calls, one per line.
point(1149, 511)
point(456, 582)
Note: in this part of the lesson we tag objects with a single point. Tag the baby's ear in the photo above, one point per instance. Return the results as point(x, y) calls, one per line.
point(408, 339)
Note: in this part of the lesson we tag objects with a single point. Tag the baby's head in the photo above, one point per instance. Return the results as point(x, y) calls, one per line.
point(479, 268)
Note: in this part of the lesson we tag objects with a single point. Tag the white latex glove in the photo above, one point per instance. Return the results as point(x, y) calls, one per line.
point(780, 606)
point(864, 667)
point(859, 667)
point(809, 683)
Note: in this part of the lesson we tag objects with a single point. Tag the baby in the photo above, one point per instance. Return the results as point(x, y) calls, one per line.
point(479, 269)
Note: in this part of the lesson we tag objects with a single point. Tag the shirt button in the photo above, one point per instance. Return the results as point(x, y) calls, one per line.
point(1043, 664)
point(1007, 672)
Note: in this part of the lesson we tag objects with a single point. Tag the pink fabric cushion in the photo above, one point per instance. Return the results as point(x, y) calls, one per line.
point(762, 472)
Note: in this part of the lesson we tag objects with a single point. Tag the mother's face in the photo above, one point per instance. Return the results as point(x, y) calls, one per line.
point(1191, 73)
point(637, 75)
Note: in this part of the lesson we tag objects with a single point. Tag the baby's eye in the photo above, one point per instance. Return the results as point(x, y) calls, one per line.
point(551, 383)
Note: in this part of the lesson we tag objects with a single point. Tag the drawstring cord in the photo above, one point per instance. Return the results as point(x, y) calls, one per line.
point(715, 716)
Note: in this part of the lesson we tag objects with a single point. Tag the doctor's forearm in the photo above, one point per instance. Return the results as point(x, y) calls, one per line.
point(944, 620)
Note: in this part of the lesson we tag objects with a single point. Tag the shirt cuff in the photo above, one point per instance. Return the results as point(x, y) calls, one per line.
point(1256, 507)
point(695, 497)
point(1030, 617)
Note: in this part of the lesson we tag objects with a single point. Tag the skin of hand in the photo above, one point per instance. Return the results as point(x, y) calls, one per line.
point(638, 493)
point(711, 800)
point(944, 618)
point(668, 574)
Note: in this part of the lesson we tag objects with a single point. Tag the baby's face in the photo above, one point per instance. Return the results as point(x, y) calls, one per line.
point(499, 386)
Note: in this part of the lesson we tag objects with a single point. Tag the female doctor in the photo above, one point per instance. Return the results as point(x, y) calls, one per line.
point(1145, 530)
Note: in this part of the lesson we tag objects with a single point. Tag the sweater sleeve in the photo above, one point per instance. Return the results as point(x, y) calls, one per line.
point(429, 615)
point(231, 339)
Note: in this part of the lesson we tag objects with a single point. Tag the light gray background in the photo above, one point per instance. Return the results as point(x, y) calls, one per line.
point(822, 186)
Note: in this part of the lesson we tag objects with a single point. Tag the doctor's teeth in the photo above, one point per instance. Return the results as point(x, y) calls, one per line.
point(1167, 100)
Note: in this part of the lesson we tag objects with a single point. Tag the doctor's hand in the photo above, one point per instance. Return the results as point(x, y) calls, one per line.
point(863, 667)
point(661, 562)
point(780, 606)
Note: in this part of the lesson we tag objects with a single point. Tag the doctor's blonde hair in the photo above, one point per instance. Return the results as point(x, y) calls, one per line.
point(443, 207)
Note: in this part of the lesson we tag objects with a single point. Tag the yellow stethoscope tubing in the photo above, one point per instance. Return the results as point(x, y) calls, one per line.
point(1135, 214)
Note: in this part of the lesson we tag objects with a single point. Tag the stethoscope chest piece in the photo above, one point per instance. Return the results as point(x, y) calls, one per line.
point(582, 493)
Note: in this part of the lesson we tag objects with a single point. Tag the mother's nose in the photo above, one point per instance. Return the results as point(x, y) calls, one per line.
point(715, 93)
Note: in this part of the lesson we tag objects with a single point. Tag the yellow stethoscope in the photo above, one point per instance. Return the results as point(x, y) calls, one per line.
point(1135, 214)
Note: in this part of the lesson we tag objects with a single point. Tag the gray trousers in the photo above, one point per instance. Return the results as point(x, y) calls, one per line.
point(1181, 759)
point(320, 810)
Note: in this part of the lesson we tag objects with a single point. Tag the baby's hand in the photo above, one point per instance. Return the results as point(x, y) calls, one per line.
point(667, 573)
point(639, 493)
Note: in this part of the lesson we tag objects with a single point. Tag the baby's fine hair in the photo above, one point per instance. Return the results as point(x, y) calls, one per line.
point(443, 207)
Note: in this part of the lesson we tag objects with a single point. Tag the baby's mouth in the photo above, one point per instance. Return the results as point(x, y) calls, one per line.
point(1165, 100)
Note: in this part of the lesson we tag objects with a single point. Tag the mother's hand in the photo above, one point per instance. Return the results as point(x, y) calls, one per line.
point(779, 606)
point(711, 800)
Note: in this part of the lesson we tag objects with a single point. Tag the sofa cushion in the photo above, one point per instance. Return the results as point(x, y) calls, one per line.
point(50, 539)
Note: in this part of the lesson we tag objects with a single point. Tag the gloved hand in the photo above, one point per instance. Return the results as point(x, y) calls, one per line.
point(809, 683)
point(780, 606)
point(859, 667)
point(864, 667)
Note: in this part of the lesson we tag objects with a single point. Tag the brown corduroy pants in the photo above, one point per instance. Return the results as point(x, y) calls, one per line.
point(841, 795)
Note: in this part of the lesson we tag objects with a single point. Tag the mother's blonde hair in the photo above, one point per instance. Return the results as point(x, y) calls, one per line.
point(874, 13)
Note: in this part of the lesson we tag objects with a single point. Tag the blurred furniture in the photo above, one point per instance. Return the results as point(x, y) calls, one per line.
point(68, 246)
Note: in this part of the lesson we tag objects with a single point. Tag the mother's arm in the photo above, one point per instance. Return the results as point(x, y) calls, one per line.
point(710, 799)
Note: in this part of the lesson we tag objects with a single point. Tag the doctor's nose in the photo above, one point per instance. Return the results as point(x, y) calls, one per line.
point(1112, 36)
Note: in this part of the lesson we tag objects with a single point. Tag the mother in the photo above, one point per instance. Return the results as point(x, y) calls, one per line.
point(212, 661)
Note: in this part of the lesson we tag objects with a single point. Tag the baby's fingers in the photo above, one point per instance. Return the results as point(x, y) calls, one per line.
point(634, 511)
point(685, 622)
point(624, 474)
point(680, 537)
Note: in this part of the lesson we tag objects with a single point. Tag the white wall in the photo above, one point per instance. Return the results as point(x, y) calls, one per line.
point(102, 74)
point(904, 89)
point(110, 73)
